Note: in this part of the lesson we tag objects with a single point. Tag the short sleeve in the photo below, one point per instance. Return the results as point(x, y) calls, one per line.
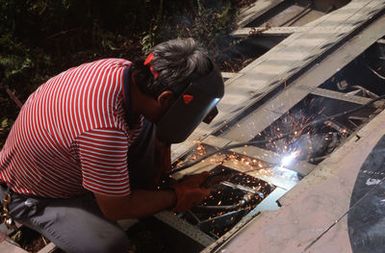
point(103, 160)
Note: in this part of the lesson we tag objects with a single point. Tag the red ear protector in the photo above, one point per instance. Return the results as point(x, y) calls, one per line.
point(187, 98)
point(147, 62)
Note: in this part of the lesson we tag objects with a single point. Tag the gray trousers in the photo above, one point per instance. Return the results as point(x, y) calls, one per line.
point(74, 225)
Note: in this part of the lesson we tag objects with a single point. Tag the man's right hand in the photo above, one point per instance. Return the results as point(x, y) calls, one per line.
point(189, 191)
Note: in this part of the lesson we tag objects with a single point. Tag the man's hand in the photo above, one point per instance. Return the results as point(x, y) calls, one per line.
point(189, 191)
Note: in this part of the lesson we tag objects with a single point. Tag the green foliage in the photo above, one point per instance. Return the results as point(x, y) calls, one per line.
point(41, 38)
point(206, 21)
point(148, 40)
point(5, 126)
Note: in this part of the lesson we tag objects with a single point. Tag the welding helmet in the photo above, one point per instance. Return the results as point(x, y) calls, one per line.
point(194, 104)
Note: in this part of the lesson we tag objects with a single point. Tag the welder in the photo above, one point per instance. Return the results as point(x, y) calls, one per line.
point(90, 145)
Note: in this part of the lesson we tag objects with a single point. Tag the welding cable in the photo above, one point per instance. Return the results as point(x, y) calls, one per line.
point(375, 72)
point(344, 113)
point(259, 142)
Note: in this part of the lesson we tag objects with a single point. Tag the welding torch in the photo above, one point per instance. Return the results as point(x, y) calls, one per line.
point(294, 133)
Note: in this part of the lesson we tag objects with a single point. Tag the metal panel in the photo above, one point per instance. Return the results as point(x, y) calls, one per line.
point(255, 10)
point(10, 248)
point(310, 208)
point(50, 248)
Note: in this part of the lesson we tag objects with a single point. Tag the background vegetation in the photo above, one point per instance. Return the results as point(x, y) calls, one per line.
point(41, 38)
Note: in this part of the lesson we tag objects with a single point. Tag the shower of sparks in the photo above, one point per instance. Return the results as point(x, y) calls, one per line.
point(307, 141)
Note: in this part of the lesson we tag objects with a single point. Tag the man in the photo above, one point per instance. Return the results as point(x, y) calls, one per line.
point(80, 153)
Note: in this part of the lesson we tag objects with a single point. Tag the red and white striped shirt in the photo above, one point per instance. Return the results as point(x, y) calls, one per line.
point(72, 135)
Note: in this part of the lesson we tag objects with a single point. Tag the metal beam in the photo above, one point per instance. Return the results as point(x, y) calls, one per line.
point(267, 31)
point(340, 96)
point(49, 248)
point(228, 75)
point(285, 30)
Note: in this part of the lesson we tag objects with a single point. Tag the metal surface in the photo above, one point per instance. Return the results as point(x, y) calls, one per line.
point(185, 228)
point(255, 10)
point(305, 84)
point(269, 72)
point(315, 206)
point(50, 248)
point(251, 236)
point(268, 204)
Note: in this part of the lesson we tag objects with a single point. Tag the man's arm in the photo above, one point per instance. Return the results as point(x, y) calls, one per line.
point(139, 204)
point(185, 194)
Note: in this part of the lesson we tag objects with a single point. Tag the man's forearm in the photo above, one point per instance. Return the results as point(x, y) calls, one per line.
point(140, 203)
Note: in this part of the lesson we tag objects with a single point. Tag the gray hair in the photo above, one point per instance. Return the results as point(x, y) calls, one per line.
point(177, 62)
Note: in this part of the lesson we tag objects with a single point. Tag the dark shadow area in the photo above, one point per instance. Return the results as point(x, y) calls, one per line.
point(364, 76)
point(153, 236)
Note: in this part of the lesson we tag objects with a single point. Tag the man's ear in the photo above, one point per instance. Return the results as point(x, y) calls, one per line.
point(165, 98)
